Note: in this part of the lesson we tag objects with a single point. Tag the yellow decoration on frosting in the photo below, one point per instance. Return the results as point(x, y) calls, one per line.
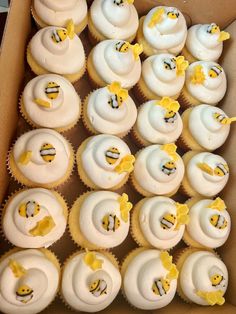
point(17, 269)
point(220, 170)
point(173, 273)
point(137, 50)
point(218, 204)
point(43, 227)
point(166, 260)
point(182, 215)
point(221, 118)
point(25, 158)
point(52, 90)
point(129, 1)
point(213, 297)
point(70, 29)
point(156, 17)
point(161, 286)
point(93, 262)
point(172, 106)
point(121, 93)
point(215, 71)
point(198, 77)
point(181, 65)
point(125, 206)
point(218, 221)
point(223, 36)
point(59, 35)
point(173, 14)
point(170, 149)
point(42, 103)
point(110, 222)
point(168, 221)
point(126, 164)
point(29, 209)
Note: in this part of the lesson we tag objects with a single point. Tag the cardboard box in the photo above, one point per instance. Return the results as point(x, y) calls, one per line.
point(14, 73)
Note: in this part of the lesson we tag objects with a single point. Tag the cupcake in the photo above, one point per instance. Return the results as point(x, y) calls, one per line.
point(149, 278)
point(42, 158)
point(203, 277)
point(57, 50)
point(162, 30)
point(205, 128)
point(162, 75)
point(104, 161)
point(29, 280)
point(100, 219)
point(50, 101)
point(205, 84)
point(204, 42)
point(113, 19)
point(34, 218)
point(159, 222)
point(57, 13)
point(90, 281)
point(206, 174)
point(209, 224)
point(158, 170)
point(115, 60)
point(109, 110)
point(158, 122)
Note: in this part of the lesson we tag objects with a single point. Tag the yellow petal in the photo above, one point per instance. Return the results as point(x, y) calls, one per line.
point(25, 158)
point(223, 36)
point(17, 269)
point(89, 258)
point(97, 264)
point(42, 103)
point(71, 29)
point(218, 204)
point(43, 227)
point(205, 168)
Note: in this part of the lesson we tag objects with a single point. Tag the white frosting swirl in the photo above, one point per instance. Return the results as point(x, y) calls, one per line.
point(64, 57)
point(195, 275)
point(151, 124)
point(142, 271)
point(113, 65)
point(41, 276)
point(167, 36)
point(148, 171)
point(202, 44)
point(94, 162)
point(205, 129)
point(77, 276)
point(212, 90)
point(202, 230)
point(59, 12)
point(114, 21)
point(151, 216)
point(162, 81)
point(65, 108)
point(17, 227)
point(38, 170)
point(202, 182)
point(104, 118)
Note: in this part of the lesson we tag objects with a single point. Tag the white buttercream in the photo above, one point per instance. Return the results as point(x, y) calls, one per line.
point(195, 275)
point(64, 110)
point(65, 57)
point(41, 276)
point(152, 126)
point(38, 170)
point(76, 279)
point(139, 277)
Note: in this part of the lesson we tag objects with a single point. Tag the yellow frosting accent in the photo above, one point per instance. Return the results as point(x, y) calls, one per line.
point(70, 29)
point(125, 206)
point(198, 77)
point(129, 1)
point(166, 260)
point(122, 94)
point(170, 149)
point(43, 227)
point(223, 119)
point(42, 103)
point(218, 171)
point(205, 168)
point(213, 297)
point(126, 164)
point(182, 215)
point(218, 204)
point(156, 17)
point(169, 104)
point(181, 65)
point(173, 273)
point(25, 158)
point(17, 269)
point(223, 36)
point(93, 262)
point(137, 50)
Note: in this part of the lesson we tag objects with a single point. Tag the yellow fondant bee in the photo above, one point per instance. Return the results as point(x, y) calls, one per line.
point(24, 294)
point(161, 286)
point(220, 170)
point(213, 28)
point(113, 102)
point(122, 46)
point(168, 168)
point(112, 155)
point(110, 222)
point(218, 221)
point(168, 221)
point(221, 118)
point(29, 209)
point(169, 63)
point(98, 287)
point(48, 152)
point(217, 280)
point(215, 71)
point(52, 90)
point(170, 116)
point(173, 14)
point(59, 35)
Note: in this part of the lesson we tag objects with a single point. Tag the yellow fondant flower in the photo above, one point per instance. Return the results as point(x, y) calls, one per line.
point(93, 262)
point(223, 36)
point(173, 273)
point(25, 158)
point(122, 94)
point(17, 269)
point(182, 215)
point(170, 149)
point(137, 50)
point(218, 204)
point(181, 65)
point(205, 168)
point(126, 164)
point(156, 17)
point(212, 297)
point(166, 260)
point(43, 227)
point(70, 29)
point(125, 206)
point(169, 104)
point(42, 103)
point(198, 76)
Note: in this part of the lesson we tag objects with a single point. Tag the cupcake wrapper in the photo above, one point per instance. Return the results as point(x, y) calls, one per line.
point(184, 102)
point(85, 119)
point(137, 139)
point(37, 22)
point(183, 144)
point(139, 93)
